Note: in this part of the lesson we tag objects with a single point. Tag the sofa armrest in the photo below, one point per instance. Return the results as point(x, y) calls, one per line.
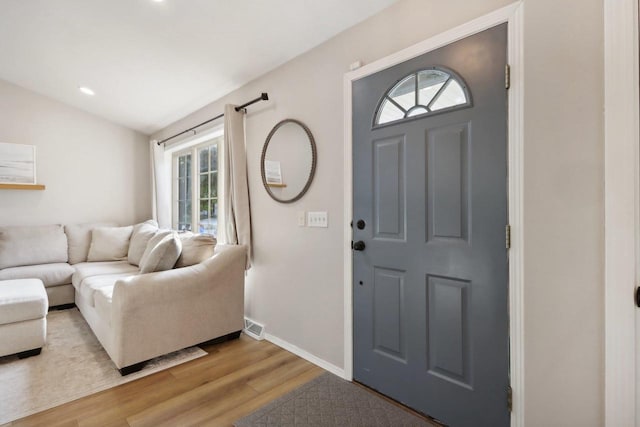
point(157, 313)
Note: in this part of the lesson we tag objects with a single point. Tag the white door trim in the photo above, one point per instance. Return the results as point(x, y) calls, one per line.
point(621, 208)
point(513, 15)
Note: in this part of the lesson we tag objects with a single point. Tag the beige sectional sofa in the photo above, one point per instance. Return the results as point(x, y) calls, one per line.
point(38, 253)
point(135, 314)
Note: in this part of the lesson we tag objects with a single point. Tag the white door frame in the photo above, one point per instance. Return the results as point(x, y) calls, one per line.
point(513, 15)
point(621, 208)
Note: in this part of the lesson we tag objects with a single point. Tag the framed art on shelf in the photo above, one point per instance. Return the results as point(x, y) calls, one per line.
point(17, 163)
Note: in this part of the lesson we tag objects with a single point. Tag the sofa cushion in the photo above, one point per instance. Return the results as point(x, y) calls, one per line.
point(51, 274)
point(88, 269)
point(103, 299)
point(91, 285)
point(109, 243)
point(79, 238)
point(163, 255)
point(32, 245)
point(141, 235)
point(195, 248)
point(23, 299)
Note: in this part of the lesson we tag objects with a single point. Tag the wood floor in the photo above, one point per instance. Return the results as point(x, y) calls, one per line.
point(233, 380)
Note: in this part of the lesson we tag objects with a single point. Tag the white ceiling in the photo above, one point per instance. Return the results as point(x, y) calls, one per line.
point(151, 63)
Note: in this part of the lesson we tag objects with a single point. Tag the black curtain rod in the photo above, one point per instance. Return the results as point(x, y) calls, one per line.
point(263, 97)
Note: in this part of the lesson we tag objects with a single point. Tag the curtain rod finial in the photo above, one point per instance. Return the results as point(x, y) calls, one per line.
point(265, 96)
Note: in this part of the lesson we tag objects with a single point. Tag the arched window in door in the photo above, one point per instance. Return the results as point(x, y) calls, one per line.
point(428, 91)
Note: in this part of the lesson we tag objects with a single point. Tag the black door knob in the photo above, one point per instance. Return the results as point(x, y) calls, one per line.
point(359, 246)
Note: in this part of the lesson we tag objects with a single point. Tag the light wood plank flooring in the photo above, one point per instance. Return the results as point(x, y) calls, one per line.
point(233, 380)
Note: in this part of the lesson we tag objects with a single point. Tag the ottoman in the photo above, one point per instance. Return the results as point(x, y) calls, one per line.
point(23, 321)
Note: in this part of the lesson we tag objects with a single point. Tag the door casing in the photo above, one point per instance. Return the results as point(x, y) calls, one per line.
point(621, 211)
point(513, 15)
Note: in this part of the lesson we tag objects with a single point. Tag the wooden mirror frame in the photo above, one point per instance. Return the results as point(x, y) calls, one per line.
point(312, 143)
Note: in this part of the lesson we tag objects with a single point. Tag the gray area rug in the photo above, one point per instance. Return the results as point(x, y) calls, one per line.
point(72, 364)
point(330, 401)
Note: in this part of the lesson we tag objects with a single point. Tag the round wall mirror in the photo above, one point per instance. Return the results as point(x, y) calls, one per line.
point(288, 161)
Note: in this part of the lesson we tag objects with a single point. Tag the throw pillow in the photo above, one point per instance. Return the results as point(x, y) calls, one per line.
point(195, 249)
point(141, 235)
point(160, 234)
point(109, 243)
point(163, 255)
point(79, 237)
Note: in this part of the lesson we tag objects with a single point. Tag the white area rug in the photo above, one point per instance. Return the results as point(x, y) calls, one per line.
point(73, 364)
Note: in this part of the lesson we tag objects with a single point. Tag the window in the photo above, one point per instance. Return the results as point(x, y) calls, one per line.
point(195, 172)
point(425, 92)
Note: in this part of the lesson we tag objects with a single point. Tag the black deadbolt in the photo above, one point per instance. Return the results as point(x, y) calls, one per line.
point(637, 297)
point(360, 224)
point(358, 246)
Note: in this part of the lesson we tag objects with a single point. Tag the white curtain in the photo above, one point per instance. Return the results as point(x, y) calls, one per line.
point(237, 214)
point(161, 185)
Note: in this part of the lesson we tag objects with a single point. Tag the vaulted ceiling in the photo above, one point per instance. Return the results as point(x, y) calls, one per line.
point(152, 62)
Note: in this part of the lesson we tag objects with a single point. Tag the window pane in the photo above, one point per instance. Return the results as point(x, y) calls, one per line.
point(188, 214)
point(210, 225)
point(188, 187)
point(427, 94)
point(404, 93)
point(204, 210)
point(429, 83)
point(182, 162)
point(213, 150)
point(451, 96)
point(188, 162)
point(417, 111)
point(389, 113)
point(181, 211)
point(214, 184)
point(182, 195)
point(204, 185)
point(204, 159)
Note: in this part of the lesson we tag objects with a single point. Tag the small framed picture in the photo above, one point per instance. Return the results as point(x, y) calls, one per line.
point(17, 163)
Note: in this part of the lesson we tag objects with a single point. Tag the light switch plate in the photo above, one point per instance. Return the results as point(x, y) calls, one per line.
point(302, 218)
point(317, 219)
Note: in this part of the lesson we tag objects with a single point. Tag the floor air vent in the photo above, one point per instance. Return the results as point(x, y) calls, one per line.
point(253, 329)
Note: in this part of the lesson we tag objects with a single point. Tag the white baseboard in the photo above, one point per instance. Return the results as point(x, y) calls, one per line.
point(306, 356)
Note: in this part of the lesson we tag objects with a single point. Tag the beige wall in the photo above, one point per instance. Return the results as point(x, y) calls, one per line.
point(295, 286)
point(564, 212)
point(93, 170)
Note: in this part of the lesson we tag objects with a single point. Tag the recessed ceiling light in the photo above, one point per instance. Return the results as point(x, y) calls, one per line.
point(86, 90)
